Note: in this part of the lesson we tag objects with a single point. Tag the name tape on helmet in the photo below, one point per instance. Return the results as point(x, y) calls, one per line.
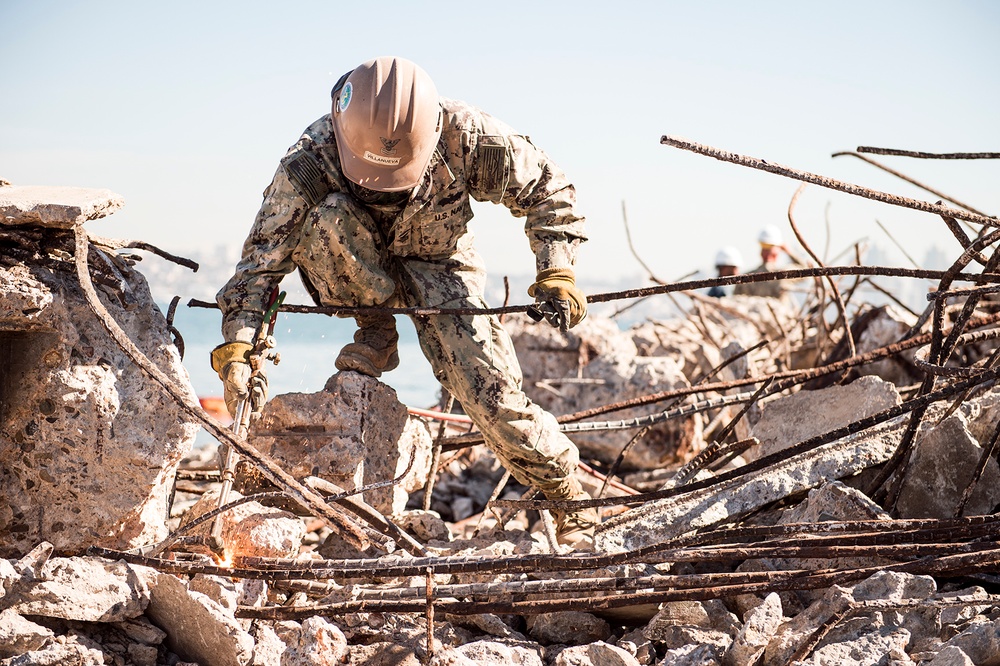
point(381, 159)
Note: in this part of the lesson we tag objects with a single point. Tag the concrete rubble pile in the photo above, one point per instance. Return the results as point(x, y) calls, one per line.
point(778, 531)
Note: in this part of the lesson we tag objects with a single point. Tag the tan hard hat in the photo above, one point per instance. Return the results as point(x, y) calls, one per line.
point(387, 120)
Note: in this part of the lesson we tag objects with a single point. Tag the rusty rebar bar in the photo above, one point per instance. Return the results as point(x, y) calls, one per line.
point(946, 565)
point(896, 466)
point(338, 521)
point(912, 405)
point(838, 299)
point(911, 181)
point(790, 378)
point(688, 285)
point(823, 181)
point(928, 156)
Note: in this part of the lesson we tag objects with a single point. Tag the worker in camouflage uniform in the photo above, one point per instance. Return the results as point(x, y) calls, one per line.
point(372, 206)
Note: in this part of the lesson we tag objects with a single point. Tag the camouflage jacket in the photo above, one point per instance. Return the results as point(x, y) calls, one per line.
point(477, 156)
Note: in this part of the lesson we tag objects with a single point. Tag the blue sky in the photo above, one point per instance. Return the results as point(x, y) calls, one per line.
point(184, 108)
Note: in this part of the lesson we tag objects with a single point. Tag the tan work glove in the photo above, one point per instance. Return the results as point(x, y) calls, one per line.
point(556, 288)
point(232, 361)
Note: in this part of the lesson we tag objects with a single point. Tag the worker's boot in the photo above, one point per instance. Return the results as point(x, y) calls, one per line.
point(575, 528)
point(374, 348)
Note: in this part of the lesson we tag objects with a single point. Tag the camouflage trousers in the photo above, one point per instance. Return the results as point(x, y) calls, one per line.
point(343, 258)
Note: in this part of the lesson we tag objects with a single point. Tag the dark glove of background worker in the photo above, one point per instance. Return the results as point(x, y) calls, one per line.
point(232, 361)
point(557, 288)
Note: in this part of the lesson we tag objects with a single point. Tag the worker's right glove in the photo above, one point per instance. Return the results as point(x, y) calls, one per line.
point(556, 289)
point(232, 361)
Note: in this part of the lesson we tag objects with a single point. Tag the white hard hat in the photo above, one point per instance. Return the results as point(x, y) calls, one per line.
point(770, 235)
point(729, 256)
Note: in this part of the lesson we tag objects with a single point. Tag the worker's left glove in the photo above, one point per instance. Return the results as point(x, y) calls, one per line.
point(562, 304)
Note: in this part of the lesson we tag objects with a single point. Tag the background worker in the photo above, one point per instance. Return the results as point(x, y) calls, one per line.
point(772, 246)
point(728, 261)
point(372, 206)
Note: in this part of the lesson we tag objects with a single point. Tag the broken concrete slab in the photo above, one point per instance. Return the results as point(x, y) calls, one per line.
point(885, 326)
point(86, 589)
point(637, 645)
point(220, 590)
point(793, 632)
point(315, 641)
point(332, 434)
point(923, 624)
point(691, 655)
point(955, 615)
point(983, 415)
point(499, 652)
point(681, 637)
point(951, 655)
point(197, 628)
point(387, 653)
point(660, 520)
point(18, 577)
point(70, 650)
point(707, 614)
point(55, 207)
point(267, 648)
point(758, 629)
point(834, 501)
point(894, 586)
point(424, 525)
point(789, 420)
point(980, 642)
point(595, 654)
point(19, 635)
point(568, 628)
point(595, 364)
point(876, 647)
point(142, 631)
point(489, 624)
point(79, 421)
point(696, 341)
point(942, 466)
point(831, 501)
point(250, 529)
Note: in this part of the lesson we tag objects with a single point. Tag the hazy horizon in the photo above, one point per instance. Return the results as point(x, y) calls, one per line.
point(185, 109)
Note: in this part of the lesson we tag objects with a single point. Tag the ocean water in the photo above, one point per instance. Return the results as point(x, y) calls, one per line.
point(308, 345)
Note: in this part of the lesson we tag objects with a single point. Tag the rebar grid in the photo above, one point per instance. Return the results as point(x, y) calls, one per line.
point(915, 552)
point(957, 547)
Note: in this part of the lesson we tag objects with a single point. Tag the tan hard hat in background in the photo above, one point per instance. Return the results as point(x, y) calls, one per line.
point(387, 120)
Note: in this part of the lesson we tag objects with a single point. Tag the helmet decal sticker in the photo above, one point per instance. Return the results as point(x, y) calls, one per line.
point(345, 97)
point(388, 145)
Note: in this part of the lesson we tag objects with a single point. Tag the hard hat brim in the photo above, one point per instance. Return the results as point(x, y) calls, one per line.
point(382, 178)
